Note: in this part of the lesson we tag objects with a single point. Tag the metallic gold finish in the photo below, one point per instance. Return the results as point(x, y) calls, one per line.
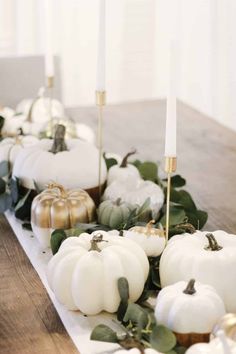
point(170, 164)
point(228, 324)
point(50, 81)
point(58, 208)
point(100, 98)
point(148, 230)
point(100, 102)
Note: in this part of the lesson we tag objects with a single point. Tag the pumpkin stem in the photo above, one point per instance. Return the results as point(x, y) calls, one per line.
point(150, 224)
point(190, 289)
point(118, 202)
point(59, 144)
point(125, 159)
point(213, 245)
point(55, 185)
point(94, 242)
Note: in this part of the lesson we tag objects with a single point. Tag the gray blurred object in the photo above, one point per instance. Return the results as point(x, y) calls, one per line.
point(21, 77)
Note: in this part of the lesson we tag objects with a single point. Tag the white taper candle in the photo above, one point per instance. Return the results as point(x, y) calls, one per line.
point(101, 54)
point(49, 62)
point(170, 139)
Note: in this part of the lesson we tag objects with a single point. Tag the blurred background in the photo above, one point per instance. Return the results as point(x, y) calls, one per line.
point(138, 33)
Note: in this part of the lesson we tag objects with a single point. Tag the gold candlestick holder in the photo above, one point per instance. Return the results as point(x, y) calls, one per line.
point(170, 167)
point(50, 86)
point(100, 102)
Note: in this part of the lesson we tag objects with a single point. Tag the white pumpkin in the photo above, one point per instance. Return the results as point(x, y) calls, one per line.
point(6, 112)
point(216, 346)
point(10, 147)
point(75, 168)
point(189, 307)
point(123, 170)
point(137, 351)
point(136, 191)
point(84, 273)
point(190, 256)
point(42, 106)
point(151, 240)
point(13, 124)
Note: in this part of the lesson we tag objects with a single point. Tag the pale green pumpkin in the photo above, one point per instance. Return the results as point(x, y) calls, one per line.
point(114, 213)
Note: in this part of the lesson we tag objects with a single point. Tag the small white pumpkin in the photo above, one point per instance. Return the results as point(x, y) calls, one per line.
point(42, 108)
point(123, 170)
point(84, 273)
point(137, 351)
point(216, 346)
point(136, 191)
point(151, 240)
point(10, 147)
point(77, 167)
point(207, 257)
point(190, 310)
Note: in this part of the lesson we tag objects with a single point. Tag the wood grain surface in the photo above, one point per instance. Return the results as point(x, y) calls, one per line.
point(29, 323)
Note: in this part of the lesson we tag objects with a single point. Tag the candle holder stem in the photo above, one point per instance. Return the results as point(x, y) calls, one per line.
point(170, 166)
point(100, 102)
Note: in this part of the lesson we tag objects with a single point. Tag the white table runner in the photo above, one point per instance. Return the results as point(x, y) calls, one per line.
point(77, 325)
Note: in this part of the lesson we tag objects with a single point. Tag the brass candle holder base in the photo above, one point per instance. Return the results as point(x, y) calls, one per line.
point(100, 102)
point(49, 81)
point(170, 167)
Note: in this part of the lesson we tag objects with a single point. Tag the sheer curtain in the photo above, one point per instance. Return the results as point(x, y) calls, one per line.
point(138, 32)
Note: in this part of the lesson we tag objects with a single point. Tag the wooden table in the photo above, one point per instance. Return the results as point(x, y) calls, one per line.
point(207, 158)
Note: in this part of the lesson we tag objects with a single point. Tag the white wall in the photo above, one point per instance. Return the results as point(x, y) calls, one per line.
point(138, 33)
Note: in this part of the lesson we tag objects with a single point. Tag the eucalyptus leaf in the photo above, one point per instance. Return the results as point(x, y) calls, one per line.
point(22, 201)
point(148, 171)
point(14, 188)
point(177, 216)
point(180, 350)
point(2, 121)
point(123, 288)
point(109, 161)
point(177, 181)
point(137, 315)
point(5, 202)
point(57, 237)
point(162, 339)
point(74, 232)
point(104, 333)
point(2, 186)
point(27, 226)
point(187, 201)
point(136, 163)
point(4, 168)
point(144, 207)
point(198, 218)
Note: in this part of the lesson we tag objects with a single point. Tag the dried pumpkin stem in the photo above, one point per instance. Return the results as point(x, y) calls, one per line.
point(150, 224)
point(190, 289)
point(95, 241)
point(62, 190)
point(213, 245)
point(59, 144)
point(125, 159)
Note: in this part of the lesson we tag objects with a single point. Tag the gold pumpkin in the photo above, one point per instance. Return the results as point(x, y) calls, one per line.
point(228, 324)
point(58, 208)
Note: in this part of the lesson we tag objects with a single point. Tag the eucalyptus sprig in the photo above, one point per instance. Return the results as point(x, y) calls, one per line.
point(138, 327)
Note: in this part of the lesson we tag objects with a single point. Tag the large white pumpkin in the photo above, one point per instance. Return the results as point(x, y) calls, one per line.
point(133, 190)
point(84, 273)
point(189, 256)
point(10, 147)
point(75, 168)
